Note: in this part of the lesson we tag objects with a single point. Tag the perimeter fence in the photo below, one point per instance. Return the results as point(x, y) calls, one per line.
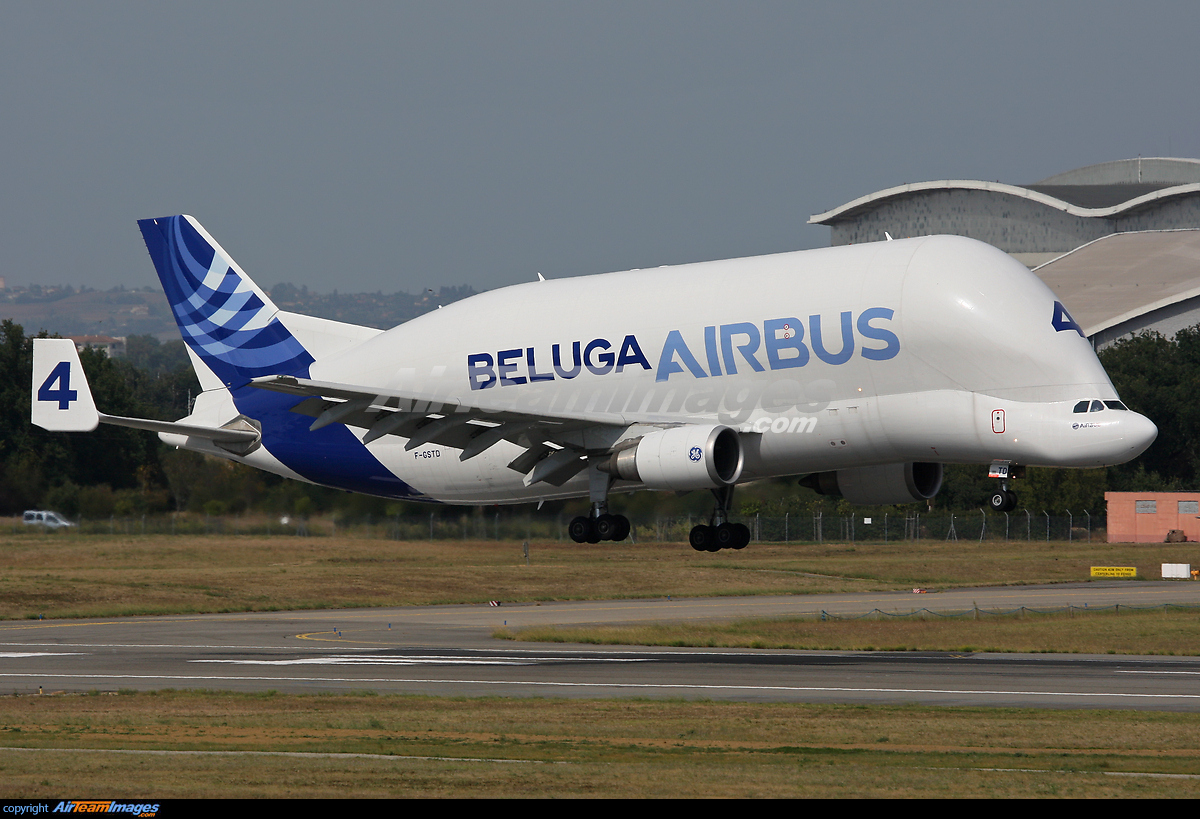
point(445, 524)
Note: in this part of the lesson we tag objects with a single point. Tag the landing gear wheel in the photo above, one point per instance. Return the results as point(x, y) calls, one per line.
point(622, 528)
point(726, 536)
point(742, 539)
point(606, 527)
point(1002, 500)
point(580, 529)
point(703, 539)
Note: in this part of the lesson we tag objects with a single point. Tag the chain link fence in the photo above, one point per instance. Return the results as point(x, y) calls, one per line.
point(443, 524)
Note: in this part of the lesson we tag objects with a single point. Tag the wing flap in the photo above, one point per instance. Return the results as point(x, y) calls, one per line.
point(555, 447)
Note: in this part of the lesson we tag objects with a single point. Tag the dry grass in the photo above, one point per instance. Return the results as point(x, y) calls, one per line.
point(71, 575)
point(496, 747)
point(428, 746)
point(1171, 632)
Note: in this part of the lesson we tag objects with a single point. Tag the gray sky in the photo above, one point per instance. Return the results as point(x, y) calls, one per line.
point(399, 146)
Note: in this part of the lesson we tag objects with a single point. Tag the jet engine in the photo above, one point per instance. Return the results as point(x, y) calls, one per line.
point(681, 458)
point(879, 485)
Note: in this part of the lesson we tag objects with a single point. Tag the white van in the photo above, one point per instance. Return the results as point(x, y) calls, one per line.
point(51, 520)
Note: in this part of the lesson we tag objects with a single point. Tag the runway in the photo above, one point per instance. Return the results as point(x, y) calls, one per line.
point(448, 651)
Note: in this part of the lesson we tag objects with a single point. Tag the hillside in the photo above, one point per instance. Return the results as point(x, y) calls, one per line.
point(120, 312)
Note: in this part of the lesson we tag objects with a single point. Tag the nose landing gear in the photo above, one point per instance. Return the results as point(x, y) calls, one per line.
point(1004, 499)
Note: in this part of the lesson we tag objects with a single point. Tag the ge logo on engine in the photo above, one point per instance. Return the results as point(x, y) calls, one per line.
point(695, 453)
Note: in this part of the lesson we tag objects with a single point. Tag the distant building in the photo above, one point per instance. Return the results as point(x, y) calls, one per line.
point(1034, 222)
point(1147, 517)
point(1118, 242)
point(113, 347)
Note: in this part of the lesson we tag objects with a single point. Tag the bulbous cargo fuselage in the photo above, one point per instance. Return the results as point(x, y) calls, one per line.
point(865, 367)
point(936, 349)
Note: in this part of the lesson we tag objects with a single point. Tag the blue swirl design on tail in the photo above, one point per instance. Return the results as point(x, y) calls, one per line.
point(226, 320)
point(230, 324)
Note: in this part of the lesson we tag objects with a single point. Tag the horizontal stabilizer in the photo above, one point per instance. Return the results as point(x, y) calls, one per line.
point(234, 436)
point(62, 402)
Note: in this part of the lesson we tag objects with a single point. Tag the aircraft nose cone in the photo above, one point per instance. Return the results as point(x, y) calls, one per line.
point(1139, 432)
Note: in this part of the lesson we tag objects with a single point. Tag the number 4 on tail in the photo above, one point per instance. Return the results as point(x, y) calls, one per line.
point(61, 400)
point(64, 395)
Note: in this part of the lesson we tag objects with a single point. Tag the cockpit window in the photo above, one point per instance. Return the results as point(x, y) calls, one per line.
point(1097, 406)
point(1082, 406)
point(1117, 405)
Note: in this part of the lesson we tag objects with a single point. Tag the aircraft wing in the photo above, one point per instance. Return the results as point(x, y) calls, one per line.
point(555, 446)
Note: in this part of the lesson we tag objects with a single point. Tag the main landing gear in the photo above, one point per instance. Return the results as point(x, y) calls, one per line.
point(720, 533)
point(600, 525)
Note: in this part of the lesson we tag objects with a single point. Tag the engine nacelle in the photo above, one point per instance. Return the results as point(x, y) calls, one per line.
point(681, 458)
point(880, 485)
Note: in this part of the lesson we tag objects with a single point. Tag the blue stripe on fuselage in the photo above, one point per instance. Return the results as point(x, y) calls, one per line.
point(331, 456)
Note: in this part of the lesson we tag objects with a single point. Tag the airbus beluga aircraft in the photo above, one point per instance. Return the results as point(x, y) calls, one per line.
point(864, 367)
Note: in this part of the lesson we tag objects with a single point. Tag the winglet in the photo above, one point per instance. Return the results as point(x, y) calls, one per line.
point(61, 399)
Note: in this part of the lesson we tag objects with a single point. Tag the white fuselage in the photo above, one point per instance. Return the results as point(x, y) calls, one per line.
point(936, 349)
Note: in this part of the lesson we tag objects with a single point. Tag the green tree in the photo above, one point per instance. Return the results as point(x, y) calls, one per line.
point(1160, 378)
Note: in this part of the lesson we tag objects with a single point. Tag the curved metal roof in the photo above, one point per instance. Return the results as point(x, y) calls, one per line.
point(1125, 275)
point(1166, 170)
point(873, 200)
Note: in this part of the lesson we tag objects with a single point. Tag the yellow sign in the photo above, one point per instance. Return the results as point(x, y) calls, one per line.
point(1114, 571)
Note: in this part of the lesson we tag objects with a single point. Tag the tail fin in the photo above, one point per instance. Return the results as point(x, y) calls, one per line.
point(227, 321)
point(62, 400)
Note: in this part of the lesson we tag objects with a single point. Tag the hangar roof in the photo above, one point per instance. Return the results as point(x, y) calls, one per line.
point(1164, 169)
point(1125, 275)
point(1101, 200)
point(1099, 196)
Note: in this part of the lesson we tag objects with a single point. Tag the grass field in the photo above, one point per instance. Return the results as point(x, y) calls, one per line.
point(205, 744)
point(71, 575)
point(270, 746)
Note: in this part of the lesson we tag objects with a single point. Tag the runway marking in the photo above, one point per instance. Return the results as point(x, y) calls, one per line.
point(427, 659)
point(42, 625)
point(586, 654)
point(564, 653)
point(656, 686)
point(7, 655)
point(226, 646)
point(311, 636)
